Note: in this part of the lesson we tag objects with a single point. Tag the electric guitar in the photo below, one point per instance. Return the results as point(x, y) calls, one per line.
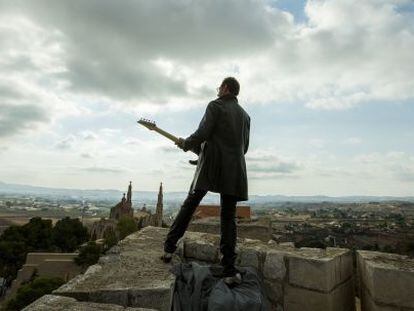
point(153, 127)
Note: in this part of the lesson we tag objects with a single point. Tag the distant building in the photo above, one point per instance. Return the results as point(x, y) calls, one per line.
point(144, 217)
point(204, 211)
point(159, 209)
point(207, 219)
point(104, 227)
point(123, 208)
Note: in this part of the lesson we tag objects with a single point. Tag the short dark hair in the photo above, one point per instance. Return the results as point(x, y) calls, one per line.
point(232, 84)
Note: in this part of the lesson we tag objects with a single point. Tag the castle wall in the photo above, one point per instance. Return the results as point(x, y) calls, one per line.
point(131, 274)
point(45, 265)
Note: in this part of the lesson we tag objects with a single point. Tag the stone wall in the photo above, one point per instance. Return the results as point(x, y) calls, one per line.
point(294, 279)
point(131, 275)
point(45, 265)
point(386, 281)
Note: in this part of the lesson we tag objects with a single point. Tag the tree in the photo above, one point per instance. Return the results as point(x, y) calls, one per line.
point(17, 241)
point(12, 257)
point(89, 254)
point(28, 293)
point(69, 233)
point(126, 225)
point(38, 234)
point(13, 233)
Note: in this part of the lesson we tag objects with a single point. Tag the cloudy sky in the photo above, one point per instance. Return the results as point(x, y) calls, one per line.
point(329, 86)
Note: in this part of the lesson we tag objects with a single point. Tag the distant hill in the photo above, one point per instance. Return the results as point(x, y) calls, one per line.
point(114, 195)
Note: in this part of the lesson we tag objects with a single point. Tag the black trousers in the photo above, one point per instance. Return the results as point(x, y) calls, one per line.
point(227, 225)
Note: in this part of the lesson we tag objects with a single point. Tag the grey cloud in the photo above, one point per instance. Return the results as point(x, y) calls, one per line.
point(403, 171)
point(155, 172)
point(22, 63)
point(119, 79)
point(15, 119)
point(339, 172)
point(406, 176)
point(7, 92)
point(133, 142)
point(271, 175)
point(277, 168)
point(110, 48)
point(348, 52)
point(66, 143)
point(151, 29)
point(169, 149)
point(270, 166)
point(185, 165)
point(89, 135)
point(103, 170)
point(86, 155)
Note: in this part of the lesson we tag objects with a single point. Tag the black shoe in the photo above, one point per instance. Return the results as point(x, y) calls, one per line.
point(166, 257)
point(233, 280)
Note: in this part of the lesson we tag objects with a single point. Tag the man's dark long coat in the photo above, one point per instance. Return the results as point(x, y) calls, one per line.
point(221, 140)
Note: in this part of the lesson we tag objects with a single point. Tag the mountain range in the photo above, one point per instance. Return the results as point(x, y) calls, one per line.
point(111, 194)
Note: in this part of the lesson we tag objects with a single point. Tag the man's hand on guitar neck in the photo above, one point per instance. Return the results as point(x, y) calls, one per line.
point(180, 143)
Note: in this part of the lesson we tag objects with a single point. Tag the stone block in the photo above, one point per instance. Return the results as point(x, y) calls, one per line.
point(340, 299)
point(388, 278)
point(60, 303)
point(248, 257)
point(201, 246)
point(320, 270)
point(274, 291)
point(274, 266)
point(290, 245)
point(201, 250)
point(367, 304)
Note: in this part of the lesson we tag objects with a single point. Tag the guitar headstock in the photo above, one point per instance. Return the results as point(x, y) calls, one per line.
point(147, 123)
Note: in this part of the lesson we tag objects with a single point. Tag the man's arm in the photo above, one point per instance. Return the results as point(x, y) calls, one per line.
point(204, 130)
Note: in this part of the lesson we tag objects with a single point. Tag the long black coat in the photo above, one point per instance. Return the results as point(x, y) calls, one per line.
point(221, 140)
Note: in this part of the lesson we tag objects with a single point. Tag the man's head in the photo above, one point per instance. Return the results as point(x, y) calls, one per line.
point(229, 86)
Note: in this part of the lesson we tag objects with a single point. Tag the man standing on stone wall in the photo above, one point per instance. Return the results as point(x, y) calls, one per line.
point(221, 141)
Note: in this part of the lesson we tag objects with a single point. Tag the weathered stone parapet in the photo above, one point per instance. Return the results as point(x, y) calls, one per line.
point(386, 281)
point(131, 274)
point(295, 279)
point(60, 303)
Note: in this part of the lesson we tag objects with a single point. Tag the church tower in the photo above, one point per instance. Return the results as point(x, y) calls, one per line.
point(128, 210)
point(123, 208)
point(159, 208)
point(129, 196)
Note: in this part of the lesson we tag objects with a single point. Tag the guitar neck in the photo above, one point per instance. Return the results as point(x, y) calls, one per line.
point(166, 134)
